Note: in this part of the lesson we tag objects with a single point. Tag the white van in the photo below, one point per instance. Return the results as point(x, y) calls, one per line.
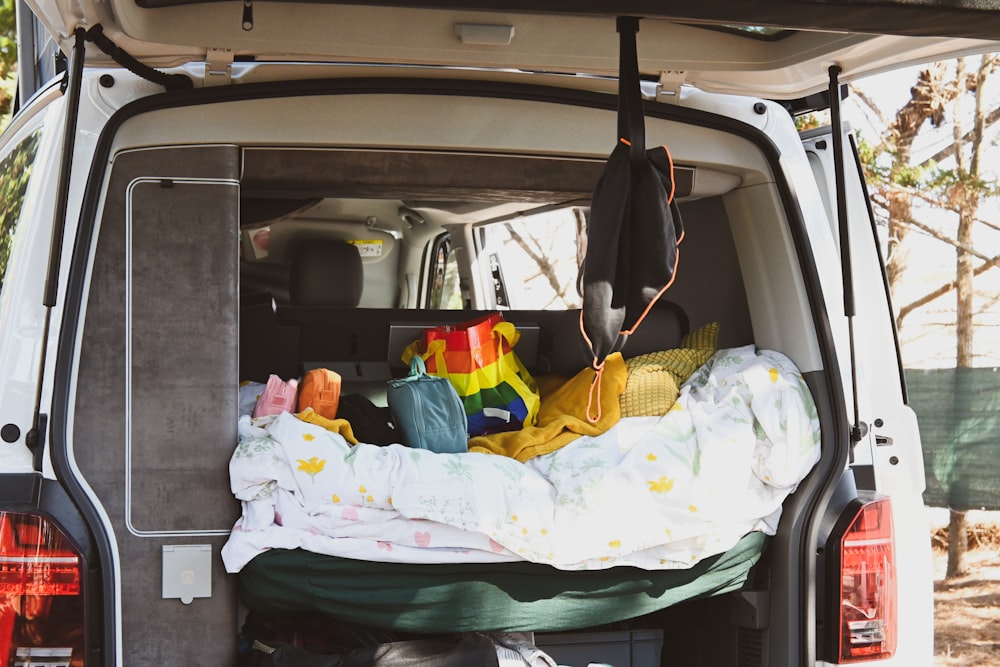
point(245, 189)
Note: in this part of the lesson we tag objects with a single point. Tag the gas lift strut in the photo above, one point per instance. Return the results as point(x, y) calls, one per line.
point(72, 85)
point(36, 435)
point(858, 429)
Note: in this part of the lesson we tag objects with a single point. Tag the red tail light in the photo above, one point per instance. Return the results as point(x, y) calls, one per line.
point(41, 601)
point(867, 618)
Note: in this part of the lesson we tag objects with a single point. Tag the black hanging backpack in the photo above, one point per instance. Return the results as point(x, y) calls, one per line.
point(634, 226)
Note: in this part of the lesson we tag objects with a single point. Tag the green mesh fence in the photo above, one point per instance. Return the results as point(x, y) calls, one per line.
point(959, 414)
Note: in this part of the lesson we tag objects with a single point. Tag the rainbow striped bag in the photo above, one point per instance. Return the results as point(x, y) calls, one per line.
point(478, 358)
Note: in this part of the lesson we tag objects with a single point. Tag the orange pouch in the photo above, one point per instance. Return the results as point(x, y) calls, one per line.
point(320, 390)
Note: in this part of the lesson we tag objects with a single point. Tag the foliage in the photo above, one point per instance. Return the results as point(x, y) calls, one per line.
point(873, 159)
point(16, 169)
point(882, 167)
point(8, 38)
point(808, 121)
point(941, 180)
point(911, 176)
point(8, 54)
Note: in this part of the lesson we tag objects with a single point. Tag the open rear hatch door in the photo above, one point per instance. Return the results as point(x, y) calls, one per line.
point(782, 49)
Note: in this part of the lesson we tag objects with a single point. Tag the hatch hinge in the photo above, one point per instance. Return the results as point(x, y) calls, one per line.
point(247, 22)
point(218, 67)
point(670, 84)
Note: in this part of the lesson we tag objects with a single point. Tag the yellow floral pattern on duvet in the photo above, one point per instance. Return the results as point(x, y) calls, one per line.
point(652, 492)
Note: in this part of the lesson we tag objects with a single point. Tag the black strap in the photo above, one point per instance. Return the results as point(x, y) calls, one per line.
point(123, 58)
point(631, 124)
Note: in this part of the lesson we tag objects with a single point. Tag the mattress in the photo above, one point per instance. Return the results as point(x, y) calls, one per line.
point(481, 597)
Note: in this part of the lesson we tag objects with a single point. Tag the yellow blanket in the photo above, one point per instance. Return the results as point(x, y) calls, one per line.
point(341, 426)
point(562, 416)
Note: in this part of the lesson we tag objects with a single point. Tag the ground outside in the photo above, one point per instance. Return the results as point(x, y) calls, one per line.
point(967, 607)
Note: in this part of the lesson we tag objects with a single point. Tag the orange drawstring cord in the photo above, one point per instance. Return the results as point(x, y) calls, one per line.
point(652, 302)
point(677, 256)
point(597, 377)
point(590, 395)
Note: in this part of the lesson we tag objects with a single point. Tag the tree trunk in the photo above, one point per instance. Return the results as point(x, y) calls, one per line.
point(957, 536)
point(958, 541)
point(928, 99)
point(964, 303)
point(965, 199)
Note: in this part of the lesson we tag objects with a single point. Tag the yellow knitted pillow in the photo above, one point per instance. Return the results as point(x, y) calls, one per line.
point(654, 379)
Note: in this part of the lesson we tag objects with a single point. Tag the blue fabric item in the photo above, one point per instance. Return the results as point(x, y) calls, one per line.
point(510, 416)
point(428, 411)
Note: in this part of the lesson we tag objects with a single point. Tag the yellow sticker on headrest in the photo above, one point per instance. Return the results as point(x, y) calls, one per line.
point(369, 247)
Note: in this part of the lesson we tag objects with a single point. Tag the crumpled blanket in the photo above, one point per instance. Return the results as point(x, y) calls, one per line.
point(651, 492)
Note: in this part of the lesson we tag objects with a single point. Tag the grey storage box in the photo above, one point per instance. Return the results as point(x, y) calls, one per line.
point(631, 648)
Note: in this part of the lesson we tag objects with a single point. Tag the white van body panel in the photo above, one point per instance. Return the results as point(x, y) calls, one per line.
point(753, 191)
point(21, 307)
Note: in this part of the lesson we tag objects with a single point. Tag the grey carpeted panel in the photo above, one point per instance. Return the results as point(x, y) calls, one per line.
point(183, 399)
point(184, 368)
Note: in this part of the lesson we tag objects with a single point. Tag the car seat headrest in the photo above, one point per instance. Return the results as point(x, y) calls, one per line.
point(326, 273)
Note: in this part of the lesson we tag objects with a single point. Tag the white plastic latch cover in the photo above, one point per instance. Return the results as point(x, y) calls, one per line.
point(218, 67)
point(670, 83)
point(187, 571)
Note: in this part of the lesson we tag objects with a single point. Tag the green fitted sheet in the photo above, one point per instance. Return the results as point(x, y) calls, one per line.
point(469, 597)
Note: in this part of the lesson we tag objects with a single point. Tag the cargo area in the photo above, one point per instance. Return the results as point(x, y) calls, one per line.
point(158, 406)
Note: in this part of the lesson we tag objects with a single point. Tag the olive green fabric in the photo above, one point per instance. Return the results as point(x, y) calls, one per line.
point(958, 410)
point(515, 597)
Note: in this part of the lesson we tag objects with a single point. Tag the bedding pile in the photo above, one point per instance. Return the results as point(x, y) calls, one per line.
point(655, 493)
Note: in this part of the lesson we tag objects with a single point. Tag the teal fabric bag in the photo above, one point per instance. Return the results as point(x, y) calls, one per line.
point(428, 411)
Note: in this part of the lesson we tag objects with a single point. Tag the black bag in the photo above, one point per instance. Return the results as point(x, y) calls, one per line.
point(634, 225)
point(314, 640)
point(467, 650)
point(280, 654)
point(369, 422)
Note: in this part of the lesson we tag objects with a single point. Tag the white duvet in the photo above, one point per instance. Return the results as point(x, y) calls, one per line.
point(652, 492)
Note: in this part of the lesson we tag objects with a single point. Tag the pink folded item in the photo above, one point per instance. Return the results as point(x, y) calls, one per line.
point(279, 396)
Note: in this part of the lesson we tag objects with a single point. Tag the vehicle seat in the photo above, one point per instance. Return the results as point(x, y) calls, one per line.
point(265, 346)
point(264, 349)
point(326, 274)
point(263, 276)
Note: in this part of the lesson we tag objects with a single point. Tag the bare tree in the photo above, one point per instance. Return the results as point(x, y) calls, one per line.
point(963, 190)
point(532, 247)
